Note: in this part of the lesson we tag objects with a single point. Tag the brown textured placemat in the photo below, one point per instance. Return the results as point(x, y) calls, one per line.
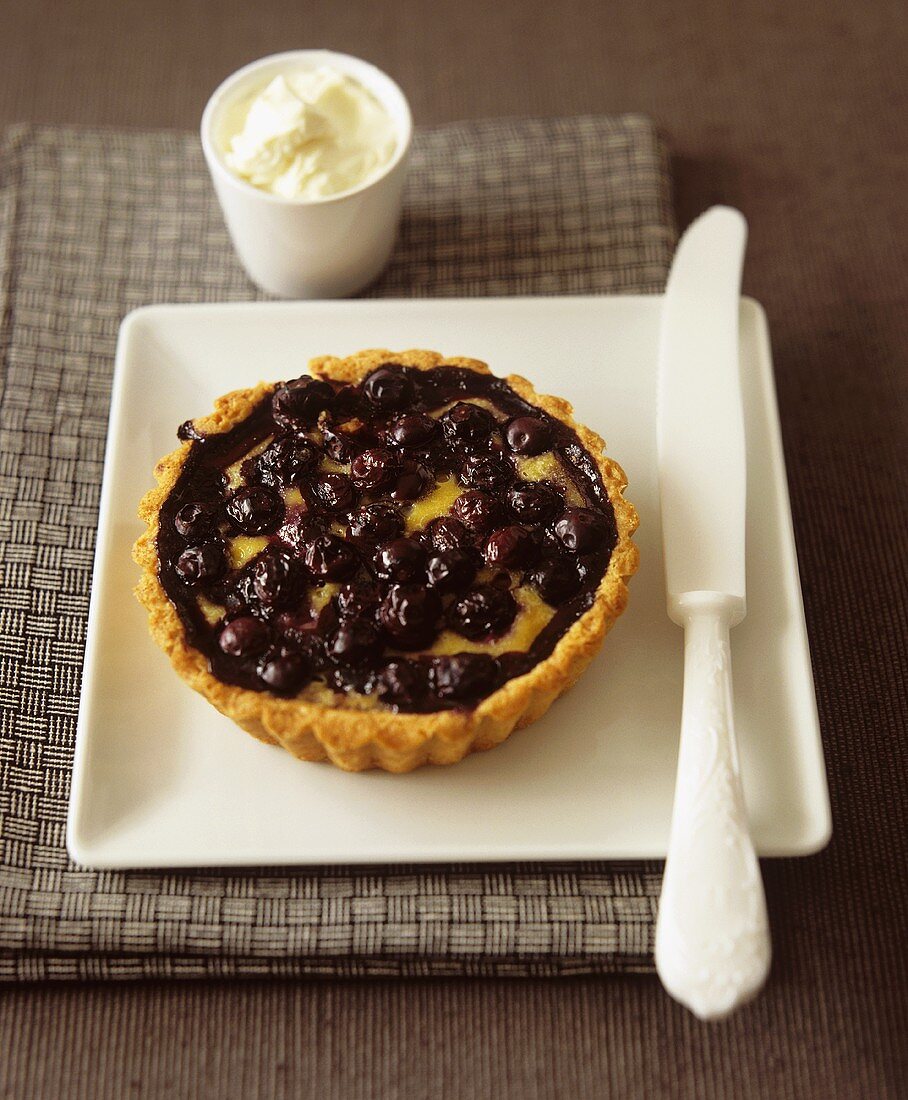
point(94, 223)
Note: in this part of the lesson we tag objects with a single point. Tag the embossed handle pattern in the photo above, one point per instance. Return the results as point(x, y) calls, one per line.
point(712, 935)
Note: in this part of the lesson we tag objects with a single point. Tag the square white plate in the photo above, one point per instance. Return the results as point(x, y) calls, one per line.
point(162, 779)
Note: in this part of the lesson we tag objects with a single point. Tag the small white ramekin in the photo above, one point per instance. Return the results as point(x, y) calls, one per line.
point(309, 248)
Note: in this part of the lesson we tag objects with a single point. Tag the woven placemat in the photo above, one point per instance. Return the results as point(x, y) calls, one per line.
point(95, 223)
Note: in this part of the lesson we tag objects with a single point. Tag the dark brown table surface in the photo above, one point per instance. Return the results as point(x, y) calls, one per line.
point(795, 112)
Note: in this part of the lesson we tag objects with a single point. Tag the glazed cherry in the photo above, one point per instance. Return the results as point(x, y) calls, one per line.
point(534, 501)
point(401, 560)
point(244, 637)
point(401, 683)
point(207, 562)
point(373, 468)
point(556, 580)
point(348, 404)
point(284, 673)
point(188, 431)
point(389, 388)
point(413, 430)
point(336, 445)
point(478, 511)
point(484, 610)
point(330, 558)
point(255, 510)
point(300, 528)
point(581, 530)
point(467, 423)
point(451, 571)
point(354, 642)
point(286, 462)
point(509, 547)
point(528, 435)
point(448, 533)
point(298, 630)
point(409, 614)
point(358, 601)
point(334, 492)
point(486, 472)
point(378, 522)
point(413, 481)
point(276, 579)
point(298, 404)
point(464, 677)
point(195, 520)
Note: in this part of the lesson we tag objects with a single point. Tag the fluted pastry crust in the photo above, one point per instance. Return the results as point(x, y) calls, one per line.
point(338, 730)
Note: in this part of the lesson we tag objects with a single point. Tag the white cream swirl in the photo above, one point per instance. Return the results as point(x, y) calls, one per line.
point(311, 134)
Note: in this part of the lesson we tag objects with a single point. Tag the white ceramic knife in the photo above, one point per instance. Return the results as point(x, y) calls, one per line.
point(712, 935)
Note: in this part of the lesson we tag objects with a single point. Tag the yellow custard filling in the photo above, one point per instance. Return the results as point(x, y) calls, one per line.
point(243, 548)
point(438, 503)
point(549, 467)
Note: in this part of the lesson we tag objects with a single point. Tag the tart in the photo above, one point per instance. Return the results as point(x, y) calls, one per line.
point(394, 560)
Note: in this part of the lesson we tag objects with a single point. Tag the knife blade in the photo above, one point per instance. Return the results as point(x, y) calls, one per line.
point(702, 470)
point(712, 934)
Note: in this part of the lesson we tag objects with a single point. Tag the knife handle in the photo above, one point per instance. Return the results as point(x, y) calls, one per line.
point(712, 934)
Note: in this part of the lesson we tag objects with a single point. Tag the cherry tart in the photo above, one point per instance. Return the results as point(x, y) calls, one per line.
point(393, 560)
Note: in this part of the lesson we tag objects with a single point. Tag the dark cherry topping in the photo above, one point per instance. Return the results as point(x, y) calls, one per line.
point(330, 558)
point(581, 530)
point(556, 580)
point(400, 560)
point(534, 502)
point(196, 520)
point(413, 430)
point(255, 510)
point(373, 468)
point(409, 613)
point(448, 533)
point(464, 677)
point(401, 683)
point(298, 404)
point(467, 423)
point(276, 578)
point(207, 562)
point(485, 610)
point(299, 633)
point(188, 431)
point(478, 511)
point(397, 588)
point(528, 435)
point(451, 571)
point(414, 480)
point(358, 601)
point(286, 462)
point(284, 673)
point(389, 388)
point(244, 637)
point(354, 642)
point(510, 547)
point(514, 664)
point(337, 445)
point(486, 472)
point(334, 492)
point(300, 528)
point(209, 485)
point(349, 403)
point(378, 522)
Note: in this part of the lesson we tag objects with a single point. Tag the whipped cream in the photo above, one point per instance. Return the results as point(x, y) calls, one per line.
point(310, 134)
